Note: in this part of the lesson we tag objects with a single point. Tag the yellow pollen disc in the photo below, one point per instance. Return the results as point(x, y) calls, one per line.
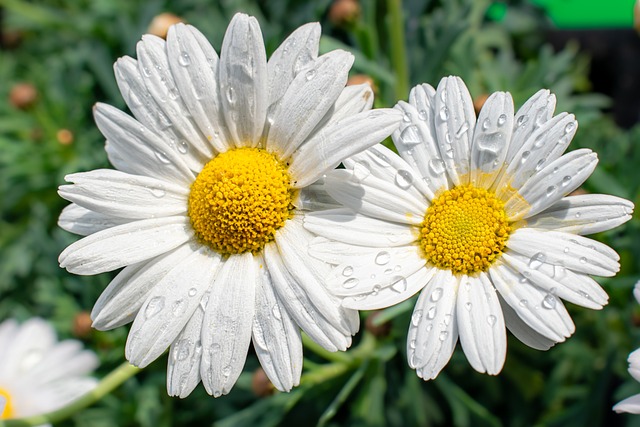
point(8, 407)
point(239, 200)
point(464, 230)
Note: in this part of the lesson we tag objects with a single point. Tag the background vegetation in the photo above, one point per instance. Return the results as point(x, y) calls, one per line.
point(65, 50)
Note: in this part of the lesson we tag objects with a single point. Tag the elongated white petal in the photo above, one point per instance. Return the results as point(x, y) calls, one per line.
point(375, 198)
point(577, 253)
point(416, 141)
point(551, 184)
point(346, 226)
point(540, 310)
point(399, 289)
point(276, 337)
point(454, 122)
point(522, 331)
point(226, 328)
point(64, 360)
point(630, 405)
point(125, 244)
point(308, 98)
point(34, 337)
point(380, 162)
point(169, 306)
point(185, 356)
point(339, 140)
point(194, 66)
point(583, 214)
point(314, 198)
point(491, 139)
point(143, 151)
point(433, 332)
point(243, 80)
point(172, 112)
point(78, 220)
point(119, 194)
point(292, 56)
point(481, 324)
point(122, 298)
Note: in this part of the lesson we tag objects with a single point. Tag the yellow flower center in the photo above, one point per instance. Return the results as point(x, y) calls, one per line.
point(8, 407)
point(239, 200)
point(464, 230)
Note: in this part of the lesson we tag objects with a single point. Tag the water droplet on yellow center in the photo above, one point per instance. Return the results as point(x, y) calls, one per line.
point(239, 200)
point(8, 407)
point(464, 230)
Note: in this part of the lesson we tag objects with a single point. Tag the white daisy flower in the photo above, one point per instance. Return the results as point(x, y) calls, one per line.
point(205, 208)
point(38, 373)
point(632, 404)
point(466, 210)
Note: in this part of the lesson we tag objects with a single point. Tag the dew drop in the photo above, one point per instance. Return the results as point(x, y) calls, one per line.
point(537, 260)
point(443, 335)
point(566, 181)
point(376, 290)
point(311, 74)
point(540, 140)
point(404, 178)
point(468, 306)
point(192, 292)
point(578, 214)
point(485, 124)
point(361, 170)
point(540, 164)
point(347, 271)
point(133, 98)
point(431, 314)
point(162, 157)
point(226, 371)
point(524, 156)
point(583, 260)
point(157, 192)
point(412, 344)
point(406, 117)
point(184, 59)
point(178, 308)
point(436, 294)
point(155, 306)
point(549, 302)
point(399, 285)
point(275, 310)
point(422, 115)
point(569, 127)
point(183, 147)
point(415, 317)
point(444, 113)
point(231, 95)
point(566, 250)
point(462, 129)
point(383, 258)
point(449, 153)
point(436, 166)
point(550, 190)
point(410, 135)
point(523, 303)
point(447, 319)
point(491, 320)
point(502, 119)
point(182, 350)
point(522, 120)
point(350, 283)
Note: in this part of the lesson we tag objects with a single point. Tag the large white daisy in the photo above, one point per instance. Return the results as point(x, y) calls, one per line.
point(204, 208)
point(632, 404)
point(467, 209)
point(38, 374)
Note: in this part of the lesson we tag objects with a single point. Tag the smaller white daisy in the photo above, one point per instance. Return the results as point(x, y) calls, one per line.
point(38, 373)
point(632, 404)
point(474, 214)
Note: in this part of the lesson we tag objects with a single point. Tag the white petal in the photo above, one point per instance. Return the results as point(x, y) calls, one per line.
point(534, 113)
point(30, 342)
point(544, 146)
point(636, 291)
point(170, 305)
point(630, 405)
point(375, 198)
point(153, 114)
point(310, 95)
point(557, 280)
point(416, 143)
point(433, 332)
point(194, 66)
point(293, 55)
point(522, 331)
point(346, 226)
point(243, 80)
point(491, 139)
point(539, 309)
point(400, 289)
point(119, 194)
point(78, 220)
point(481, 324)
point(143, 151)
point(314, 198)
point(634, 364)
point(125, 244)
point(577, 253)
point(583, 214)
point(334, 252)
point(122, 298)
point(339, 140)
point(454, 122)
point(276, 337)
point(172, 112)
point(185, 356)
point(380, 162)
point(64, 360)
point(226, 329)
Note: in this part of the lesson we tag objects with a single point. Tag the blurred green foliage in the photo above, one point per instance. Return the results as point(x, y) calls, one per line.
point(66, 50)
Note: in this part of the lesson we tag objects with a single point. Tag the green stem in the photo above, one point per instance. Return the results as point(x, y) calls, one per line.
point(108, 383)
point(398, 49)
point(337, 356)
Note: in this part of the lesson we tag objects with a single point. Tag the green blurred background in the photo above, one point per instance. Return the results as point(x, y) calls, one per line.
point(56, 61)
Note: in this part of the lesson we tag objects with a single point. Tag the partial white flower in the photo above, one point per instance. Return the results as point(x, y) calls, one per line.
point(38, 373)
point(632, 404)
point(205, 208)
point(474, 214)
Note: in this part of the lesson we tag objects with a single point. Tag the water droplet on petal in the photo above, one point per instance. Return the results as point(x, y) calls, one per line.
point(444, 113)
point(431, 314)
point(416, 317)
point(468, 306)
point(406, 117)
point(347, 271)
point(182, 350)
point(566, 250)
point(540, 164)
point(443, 335)
point(436, 166)
point(410, 135)
point(404, 179)
point(569, 127)
point(462, 129)
point(231, 95)
point(537, 260)
point(311, 74)
point(524, 156)
point(522, 120)
point(502, 119)
point(523, 303)
point(192, 292)
point(376, 290)
point(550, 190)
point(183, 147)
point(399, 285)
point(226, 371)
point(491, 320)
point(436, 295)
point(422, 115)
point(566, 181)
point(178, 308)
point(155, 306)
point(350, 283)
point(162, 157)
point(583, 260)
point(361, 170)
point(383, 258)
point(549, 302)
point(184, 59)
point(447, 319)
point(485, 124)
point(276, 312)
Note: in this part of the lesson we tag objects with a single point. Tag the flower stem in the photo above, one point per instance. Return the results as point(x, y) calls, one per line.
point(398, 49)
point(108, 384)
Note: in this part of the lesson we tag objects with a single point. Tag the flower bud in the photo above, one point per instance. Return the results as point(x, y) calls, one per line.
point(64, 136)
point(82, 324)
point(160, 24)
point(344, 12)
point(261, 385)
point(23, 96)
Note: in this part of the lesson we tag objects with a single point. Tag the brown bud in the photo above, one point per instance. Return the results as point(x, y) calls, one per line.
point(160, 24)
point(23, 96)
point(379, 331)
point(358, 79)
point(82, 324)
point(261, 385)
point(64, 136)
point(479, 101)
point(344, 12)
point(11, 39)
point(578, 192)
